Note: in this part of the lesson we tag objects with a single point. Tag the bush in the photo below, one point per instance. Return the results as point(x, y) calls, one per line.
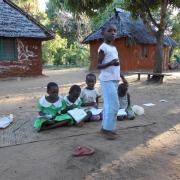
point(56, 52)
point(50, 49)
point(76, 55)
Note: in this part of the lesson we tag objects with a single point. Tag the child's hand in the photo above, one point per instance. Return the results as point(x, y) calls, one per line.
point(95, 105)
point(41, 113)
point(71, 107)
point(114, 62)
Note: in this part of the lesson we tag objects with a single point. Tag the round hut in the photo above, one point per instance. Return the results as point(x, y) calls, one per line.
point(136, 46)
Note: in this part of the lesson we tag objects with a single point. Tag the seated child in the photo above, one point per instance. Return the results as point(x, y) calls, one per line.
point(73, 101)
point(49, 108)
point(124, 102)
point(90, 96)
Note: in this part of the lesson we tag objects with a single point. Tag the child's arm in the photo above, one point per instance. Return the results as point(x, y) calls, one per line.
point(88, 104)
point(101, 55)
point(129, 101)
point(40, 110)
point(41, 113)
point(66, 109)
point(97, 100)
point(124, 79)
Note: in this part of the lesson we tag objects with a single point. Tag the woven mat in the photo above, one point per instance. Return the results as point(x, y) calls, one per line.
point(21, 131)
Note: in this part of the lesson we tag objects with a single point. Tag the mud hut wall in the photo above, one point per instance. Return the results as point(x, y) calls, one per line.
point(28, 62)
point(131, 55)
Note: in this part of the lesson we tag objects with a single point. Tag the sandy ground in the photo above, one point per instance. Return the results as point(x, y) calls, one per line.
point(149, 151)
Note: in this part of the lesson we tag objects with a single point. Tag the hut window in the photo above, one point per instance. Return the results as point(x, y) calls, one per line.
point(144, 52)
point(8, 49)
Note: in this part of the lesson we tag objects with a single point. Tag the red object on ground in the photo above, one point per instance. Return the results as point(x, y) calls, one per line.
point(83, 151)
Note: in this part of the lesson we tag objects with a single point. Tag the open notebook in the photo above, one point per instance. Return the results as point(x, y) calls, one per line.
point(77, 114)
point(95, 111)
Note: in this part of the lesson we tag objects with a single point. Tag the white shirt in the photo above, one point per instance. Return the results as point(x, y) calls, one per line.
point(88, 95)
point(69, 103)
point(43, 102)
point(111, 72)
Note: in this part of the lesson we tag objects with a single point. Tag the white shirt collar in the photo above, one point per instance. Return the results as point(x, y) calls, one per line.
point(70, 103)
point(43, 102)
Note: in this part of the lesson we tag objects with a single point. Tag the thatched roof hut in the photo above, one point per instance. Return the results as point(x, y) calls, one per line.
point(14, 22)
point(133, 41)
point(20, 39)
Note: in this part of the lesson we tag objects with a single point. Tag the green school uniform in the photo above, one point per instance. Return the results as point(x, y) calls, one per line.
point(67, 103)
point(50, 110)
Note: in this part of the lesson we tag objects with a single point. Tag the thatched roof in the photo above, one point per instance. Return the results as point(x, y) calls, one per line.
point(14, 22)
point(127, 27)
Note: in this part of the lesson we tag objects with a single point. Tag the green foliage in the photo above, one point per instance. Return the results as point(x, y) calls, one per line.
point(56, 52)
point(31, 7)
point(176, 28)
point(82, 6)
point(103, 15)
point(67, 25)
point(51, 48)
point(76, 54)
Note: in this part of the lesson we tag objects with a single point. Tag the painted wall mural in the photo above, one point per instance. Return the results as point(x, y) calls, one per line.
point(26, 52)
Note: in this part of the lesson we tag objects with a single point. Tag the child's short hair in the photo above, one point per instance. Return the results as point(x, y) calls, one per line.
point(90, 75)
point(75, 87)
point(50, 85)
point(122, 88)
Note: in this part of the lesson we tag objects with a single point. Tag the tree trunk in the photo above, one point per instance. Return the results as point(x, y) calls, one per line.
point(158, 56)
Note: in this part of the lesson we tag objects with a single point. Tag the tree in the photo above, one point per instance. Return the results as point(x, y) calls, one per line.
point(103, 14)
point(68, 25)
point(176, 28)
point(155, 25)
point(31, 7)
point(142, 8)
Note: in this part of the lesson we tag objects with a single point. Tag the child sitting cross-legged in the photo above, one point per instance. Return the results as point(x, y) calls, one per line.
point(73, 102)
point(124, 103)
point(90, 96)
point(49, 108)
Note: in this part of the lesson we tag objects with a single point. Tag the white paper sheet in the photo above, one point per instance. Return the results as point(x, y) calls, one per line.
point(6, 121)
point(121, 112)
point(163, 100)
point(149, 104)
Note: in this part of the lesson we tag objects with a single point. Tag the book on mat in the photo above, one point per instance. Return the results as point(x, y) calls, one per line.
point(121, 112)
point(95, 111)
point(77, 114)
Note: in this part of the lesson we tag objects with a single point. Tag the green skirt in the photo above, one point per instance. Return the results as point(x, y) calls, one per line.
point(39, 122)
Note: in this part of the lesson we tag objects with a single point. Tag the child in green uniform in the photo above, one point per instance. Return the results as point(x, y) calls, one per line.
point(73, 101)
point(49, 108)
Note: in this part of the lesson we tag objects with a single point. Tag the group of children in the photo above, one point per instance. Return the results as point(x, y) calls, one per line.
point(54, 110)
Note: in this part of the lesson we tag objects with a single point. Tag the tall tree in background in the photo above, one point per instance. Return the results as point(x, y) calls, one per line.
point(176, 28)
point(142, 8)
point(31, 7)
point(68, 25)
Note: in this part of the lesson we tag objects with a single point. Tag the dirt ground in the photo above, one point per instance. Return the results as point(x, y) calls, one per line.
point(147, 148)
